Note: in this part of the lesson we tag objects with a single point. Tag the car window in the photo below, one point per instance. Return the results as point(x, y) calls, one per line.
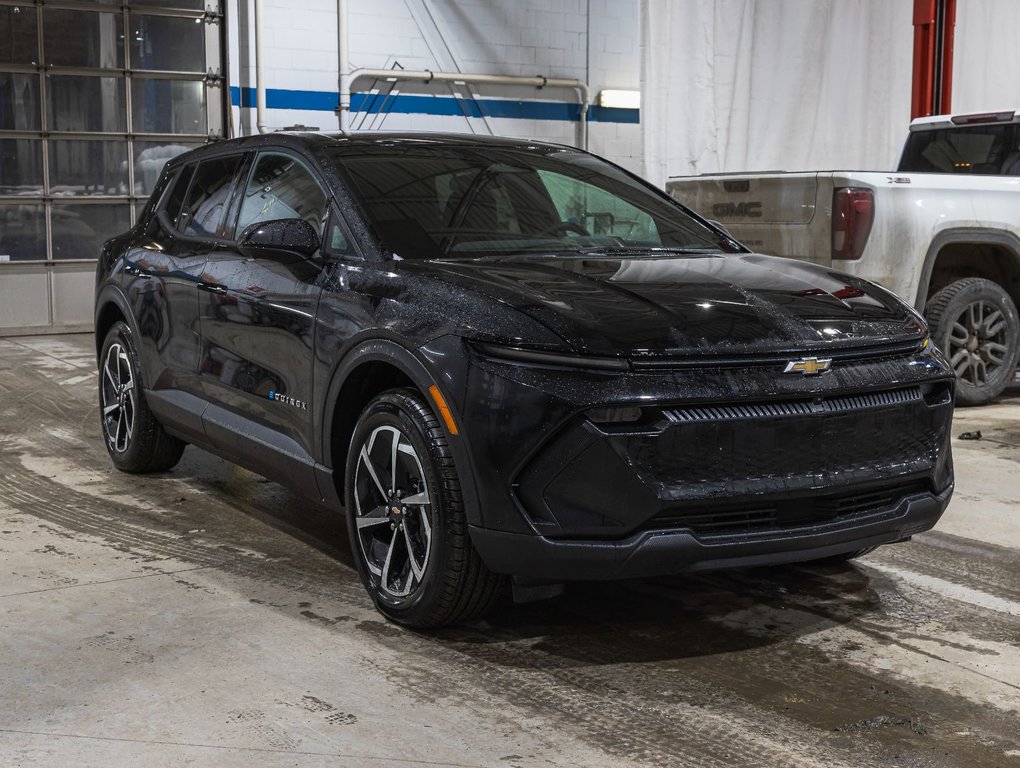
point(586, 209)
point(982, 149)
point(206, 201)
point(175, 197)
point(281, 187)
point(338, 241)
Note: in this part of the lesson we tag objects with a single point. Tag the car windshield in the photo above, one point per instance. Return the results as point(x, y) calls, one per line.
point(431, 201)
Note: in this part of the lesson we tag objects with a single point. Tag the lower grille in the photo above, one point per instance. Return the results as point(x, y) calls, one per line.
point(759, 515)
point(843, 404)
point(738, 449)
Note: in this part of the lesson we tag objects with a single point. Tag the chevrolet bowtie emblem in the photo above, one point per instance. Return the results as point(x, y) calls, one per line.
point(809, 366)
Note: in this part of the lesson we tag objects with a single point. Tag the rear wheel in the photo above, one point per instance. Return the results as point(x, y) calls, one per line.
point(405, 517)
point(974, 322)
point(136, 441)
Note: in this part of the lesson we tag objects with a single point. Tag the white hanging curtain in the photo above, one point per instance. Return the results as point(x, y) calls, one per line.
point(986, 60)
point(750, 85)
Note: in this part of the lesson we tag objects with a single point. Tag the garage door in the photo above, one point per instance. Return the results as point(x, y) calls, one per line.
point(94, 99)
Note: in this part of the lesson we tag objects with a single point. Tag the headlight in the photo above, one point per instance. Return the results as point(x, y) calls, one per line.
point(543, 357)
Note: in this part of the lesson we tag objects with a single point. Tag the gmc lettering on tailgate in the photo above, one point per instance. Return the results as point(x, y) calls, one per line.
point(751, 210)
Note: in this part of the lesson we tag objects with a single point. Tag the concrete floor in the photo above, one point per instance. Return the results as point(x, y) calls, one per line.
point(208, 617)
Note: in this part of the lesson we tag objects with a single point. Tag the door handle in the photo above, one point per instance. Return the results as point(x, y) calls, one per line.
point(211, 288)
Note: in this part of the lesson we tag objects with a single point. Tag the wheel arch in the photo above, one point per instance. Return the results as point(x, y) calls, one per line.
point(955, 254)
point(369, 369)
point(111, 306)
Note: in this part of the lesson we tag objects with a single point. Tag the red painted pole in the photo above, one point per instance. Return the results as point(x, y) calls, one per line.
point(924, 38)
point(948, 38)
point(932, 87)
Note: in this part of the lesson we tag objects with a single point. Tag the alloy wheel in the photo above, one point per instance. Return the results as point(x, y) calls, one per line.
point(393, 512)
point(119, 395)
point(978, 344)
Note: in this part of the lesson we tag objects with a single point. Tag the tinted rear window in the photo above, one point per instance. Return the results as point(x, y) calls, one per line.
point(206, 201)
point(979, 149)
point(175, 197)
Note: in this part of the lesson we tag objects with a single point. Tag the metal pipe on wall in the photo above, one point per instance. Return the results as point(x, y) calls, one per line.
point(260, 81)
point(348, 80)
point(343, 65)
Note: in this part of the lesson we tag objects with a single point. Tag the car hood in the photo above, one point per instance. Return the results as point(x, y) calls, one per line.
point(682, 305)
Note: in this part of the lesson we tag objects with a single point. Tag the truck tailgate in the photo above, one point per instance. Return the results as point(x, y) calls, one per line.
point(770, 213)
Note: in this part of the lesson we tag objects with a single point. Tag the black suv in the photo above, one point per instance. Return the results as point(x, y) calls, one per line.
point(507, 358)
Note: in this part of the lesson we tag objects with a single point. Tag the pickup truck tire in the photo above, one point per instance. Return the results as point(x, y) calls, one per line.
point(974, 322)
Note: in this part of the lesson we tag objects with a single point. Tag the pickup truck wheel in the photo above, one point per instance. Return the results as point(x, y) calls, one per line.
point(974, 322)
point(406, 520)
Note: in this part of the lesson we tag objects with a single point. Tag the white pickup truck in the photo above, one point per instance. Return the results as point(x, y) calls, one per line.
point(942, 231)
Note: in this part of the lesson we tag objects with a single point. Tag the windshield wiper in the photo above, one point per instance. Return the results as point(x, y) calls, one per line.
point(663, 250)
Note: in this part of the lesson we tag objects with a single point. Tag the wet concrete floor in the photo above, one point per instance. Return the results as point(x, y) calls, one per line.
point(208, 617)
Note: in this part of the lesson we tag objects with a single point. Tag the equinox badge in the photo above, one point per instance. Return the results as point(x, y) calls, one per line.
point(809, 366)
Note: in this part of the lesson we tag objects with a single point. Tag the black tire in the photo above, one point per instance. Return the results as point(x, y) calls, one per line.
point(417, 562)
point(136, 441)
point(974, 322)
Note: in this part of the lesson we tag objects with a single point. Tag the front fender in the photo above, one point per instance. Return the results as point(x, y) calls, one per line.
point(413, 364)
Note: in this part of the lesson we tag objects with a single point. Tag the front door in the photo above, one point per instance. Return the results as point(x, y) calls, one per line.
point(258, 315)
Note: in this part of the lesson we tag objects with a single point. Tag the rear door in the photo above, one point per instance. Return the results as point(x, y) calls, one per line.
point(166, 270)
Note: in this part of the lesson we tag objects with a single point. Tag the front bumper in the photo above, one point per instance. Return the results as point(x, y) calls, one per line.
point(725, 466)
point(660, 553)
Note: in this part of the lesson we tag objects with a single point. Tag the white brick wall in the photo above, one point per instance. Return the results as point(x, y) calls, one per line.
point(593, 40)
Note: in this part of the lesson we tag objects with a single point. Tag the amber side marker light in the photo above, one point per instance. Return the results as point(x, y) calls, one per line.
point(444, 409)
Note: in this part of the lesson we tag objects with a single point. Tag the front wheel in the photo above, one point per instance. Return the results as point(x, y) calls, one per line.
point(974, 322)
point(405, 517)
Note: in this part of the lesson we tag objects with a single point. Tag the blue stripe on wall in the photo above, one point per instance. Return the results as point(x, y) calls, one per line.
point(412, 104)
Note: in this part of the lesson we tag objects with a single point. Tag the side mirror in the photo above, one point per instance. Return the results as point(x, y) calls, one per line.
point(264, 238)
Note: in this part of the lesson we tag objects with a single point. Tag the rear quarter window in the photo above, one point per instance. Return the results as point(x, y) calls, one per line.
point(990, 150)
point(175, 197)
point(205, 204)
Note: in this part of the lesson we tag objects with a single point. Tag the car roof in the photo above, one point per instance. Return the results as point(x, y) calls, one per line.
point(300, 140)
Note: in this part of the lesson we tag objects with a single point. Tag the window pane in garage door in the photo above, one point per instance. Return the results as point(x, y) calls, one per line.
point(88, 167)
point(191, 4)
point(168, 106)
point(18, 39)
point(22, 232)
point(65, 67)
point(21, 171)
point(82, 38)
point(167, 43)
point(79, 230)
point(150, 157)
point(85, 103)
point(19, 102)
